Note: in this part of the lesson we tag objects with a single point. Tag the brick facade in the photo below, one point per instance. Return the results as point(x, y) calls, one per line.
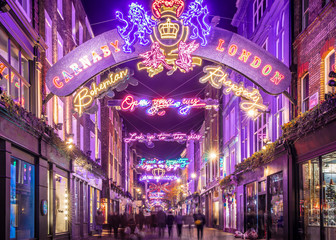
point(312, 45)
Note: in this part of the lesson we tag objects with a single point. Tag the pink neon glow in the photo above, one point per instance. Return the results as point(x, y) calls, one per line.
point(129, 104)
point(185, 59)
point(157, 4)
point(155, 57)
point(166, 137)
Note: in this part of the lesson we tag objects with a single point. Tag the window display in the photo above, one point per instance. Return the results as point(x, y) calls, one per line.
point(61, 204)
point(251, 206)
point(276, 229)
point(22, 200)
point(309, 205)
point(76, 200)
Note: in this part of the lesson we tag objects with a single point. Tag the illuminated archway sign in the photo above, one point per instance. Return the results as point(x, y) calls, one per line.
point(172, 40)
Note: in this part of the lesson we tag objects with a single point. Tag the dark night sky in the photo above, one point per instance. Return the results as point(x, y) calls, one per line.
point(177, 86)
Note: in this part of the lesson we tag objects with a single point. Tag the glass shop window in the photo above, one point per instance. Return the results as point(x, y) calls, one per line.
point(91, 204)
point(22, 199)
point(77, 200)
point(309, 200)
point(85, 202)
point(329, 66)
point(305, 93)
point(251, 210)
point(275, 193)
point(329, 195)
point(61, 204)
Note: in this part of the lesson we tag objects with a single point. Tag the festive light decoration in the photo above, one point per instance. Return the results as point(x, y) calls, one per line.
point(157, 106)
point(185, 60)
point(195, 18)
point(139, 24)
point(85, 96)
point(255, 64)
point(251, 98)
point(157, 4)
point(165, 137)
point(155, 60)
point(158, 187)
point(156, 195)
point(167, 165)
point(158, 178)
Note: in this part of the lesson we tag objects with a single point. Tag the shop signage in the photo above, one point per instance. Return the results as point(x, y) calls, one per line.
point(161, 137)
point(44, 207)
point(170, 40)
point(251, 98)
point(158, 178)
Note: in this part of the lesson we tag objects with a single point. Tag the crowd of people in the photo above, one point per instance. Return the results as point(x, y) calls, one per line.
point(134, 226)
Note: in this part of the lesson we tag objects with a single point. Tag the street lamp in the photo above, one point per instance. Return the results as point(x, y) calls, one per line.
point(193, 175)
point(178, 180)
point(213, 155)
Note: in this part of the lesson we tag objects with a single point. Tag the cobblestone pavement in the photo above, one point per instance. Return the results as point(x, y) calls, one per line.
point(209, 234)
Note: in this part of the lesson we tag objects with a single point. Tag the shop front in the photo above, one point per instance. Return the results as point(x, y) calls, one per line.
point(261, 198)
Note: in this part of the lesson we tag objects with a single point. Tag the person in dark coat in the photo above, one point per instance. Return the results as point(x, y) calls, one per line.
point(141, 220)
point(153, 222)
point(161, 221)
point(170, 223)
point(179, 224)
point(114, 222)
point(199, 222)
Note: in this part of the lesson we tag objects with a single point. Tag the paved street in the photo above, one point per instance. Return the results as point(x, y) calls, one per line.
point(209, 233)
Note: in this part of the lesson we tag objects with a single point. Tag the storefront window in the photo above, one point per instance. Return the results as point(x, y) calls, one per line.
point(309, 205)
point(329, 195)
point(276, 228)
point(76, 199)
point(85, 202)
point(61, 204)
point(91, 204)
point(98, 199)
point(251, 206)
point(3, 45)
point(22, 200)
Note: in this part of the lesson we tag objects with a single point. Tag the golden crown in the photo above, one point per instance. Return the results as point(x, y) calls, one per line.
point(168, 30)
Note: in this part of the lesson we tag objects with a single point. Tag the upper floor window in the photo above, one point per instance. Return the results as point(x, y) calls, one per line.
point(59, 46)
point(25, 6)
point(265, 45)
point(232, 123)
point(259, 7)
point(329, 66)
point(74, 130)
point(60, 7)
point(244, 142)
point(81, 137)
point(73, 22)
point(48, 37)
point(80, 34)
point(93, 145)
point(278, 116)
point(14, 73)
point(305, 93)
point(260, 132)
point(325, 2)
point(305, 13)
point(280, 38)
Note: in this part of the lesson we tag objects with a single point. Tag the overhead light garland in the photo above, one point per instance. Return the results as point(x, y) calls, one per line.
point(161, 137)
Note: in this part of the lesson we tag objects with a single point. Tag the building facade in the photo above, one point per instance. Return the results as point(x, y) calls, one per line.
point(51, 160)
point(314, 27)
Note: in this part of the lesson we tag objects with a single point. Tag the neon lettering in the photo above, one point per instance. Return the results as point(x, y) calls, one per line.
point(267, 70)
point(220, 44)
point(233, 50)
point(129, 103)
point(82, 100)
point(75, 68)
point(115, 45)
point(244, 56)
point(166, 137)
point(67, 76)
point(277, 78)
point(85, 62)
point(55, 81)
point(106, 50)
point(256, 62)
point(96, 57)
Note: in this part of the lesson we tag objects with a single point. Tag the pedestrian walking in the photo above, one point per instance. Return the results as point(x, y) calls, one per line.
point(170, 223)
point(199, 222)
point(161, 221)
point(189, 221)
point(153, 222)
point(141, 220)
point(115, 221)
point(109, 221)
point(179, 224)
point(99, 221)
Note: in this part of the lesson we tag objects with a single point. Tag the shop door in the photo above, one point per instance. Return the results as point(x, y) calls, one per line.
point(261, 216)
